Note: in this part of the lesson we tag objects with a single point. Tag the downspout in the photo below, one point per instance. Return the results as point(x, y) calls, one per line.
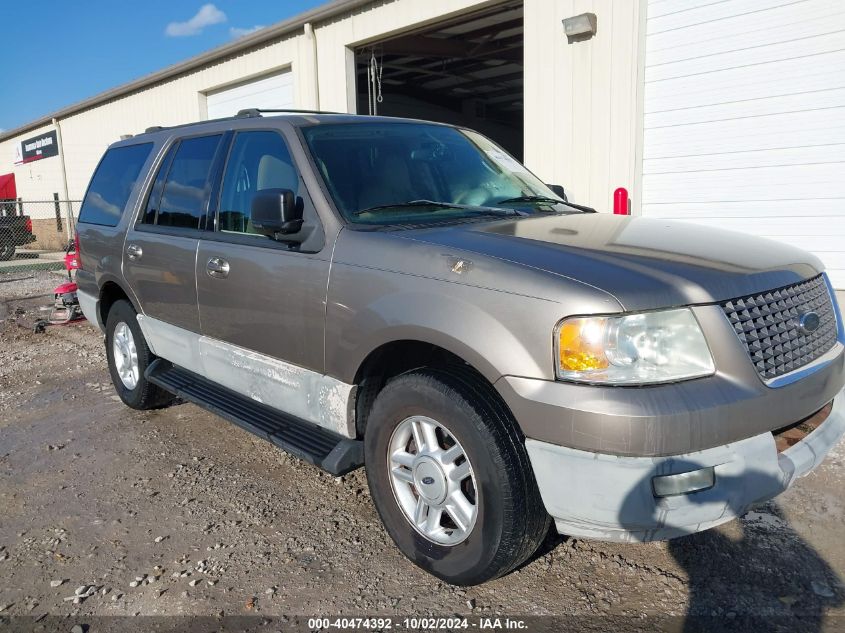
point(309, 33)
point(65, 193)
point(639, 110)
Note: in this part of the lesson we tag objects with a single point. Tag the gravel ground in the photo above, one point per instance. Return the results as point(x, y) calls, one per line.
point(106, 511)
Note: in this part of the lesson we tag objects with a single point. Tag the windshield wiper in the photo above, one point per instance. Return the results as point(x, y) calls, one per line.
point(547, 199)
point(403, 205)
point(531, 199)
point(399, 206)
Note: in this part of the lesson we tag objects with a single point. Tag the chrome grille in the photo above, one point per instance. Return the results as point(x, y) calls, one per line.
point(768, 325)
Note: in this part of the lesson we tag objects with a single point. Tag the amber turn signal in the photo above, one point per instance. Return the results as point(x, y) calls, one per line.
point(581, 345)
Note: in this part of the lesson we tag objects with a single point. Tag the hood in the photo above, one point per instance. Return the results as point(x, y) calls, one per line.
point(645, 263)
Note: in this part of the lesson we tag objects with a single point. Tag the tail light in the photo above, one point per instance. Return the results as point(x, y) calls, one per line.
point(76, 250)
point(28, 225)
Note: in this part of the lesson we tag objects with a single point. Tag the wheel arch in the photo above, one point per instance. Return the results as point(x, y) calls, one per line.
point(399, 356)
point(110, 292)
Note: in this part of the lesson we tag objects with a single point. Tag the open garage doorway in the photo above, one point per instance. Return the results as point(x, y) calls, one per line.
point(465, 71)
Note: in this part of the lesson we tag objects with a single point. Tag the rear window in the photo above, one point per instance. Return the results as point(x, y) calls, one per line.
point(112, 184)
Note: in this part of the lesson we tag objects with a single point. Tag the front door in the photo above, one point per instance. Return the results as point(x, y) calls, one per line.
point(262, 302)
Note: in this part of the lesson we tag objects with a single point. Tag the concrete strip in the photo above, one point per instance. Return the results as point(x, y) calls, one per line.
point(25, 260)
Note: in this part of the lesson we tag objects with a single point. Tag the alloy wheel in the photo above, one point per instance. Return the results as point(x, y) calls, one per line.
point(432, 480)
point(125, 355)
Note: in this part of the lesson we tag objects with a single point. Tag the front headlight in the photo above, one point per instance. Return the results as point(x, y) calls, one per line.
point(634, 349)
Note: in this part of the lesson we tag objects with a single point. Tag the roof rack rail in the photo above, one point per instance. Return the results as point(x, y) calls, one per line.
point(257, 112)
point(242, 114)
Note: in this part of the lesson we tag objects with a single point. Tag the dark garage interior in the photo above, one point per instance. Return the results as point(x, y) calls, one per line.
point(465, 71)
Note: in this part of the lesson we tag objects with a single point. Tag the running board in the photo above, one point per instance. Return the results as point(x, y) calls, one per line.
point(316, 445)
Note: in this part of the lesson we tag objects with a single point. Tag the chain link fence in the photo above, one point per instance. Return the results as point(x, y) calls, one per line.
point(35, 233)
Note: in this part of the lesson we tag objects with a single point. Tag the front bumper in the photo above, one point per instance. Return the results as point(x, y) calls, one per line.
point(610, 497)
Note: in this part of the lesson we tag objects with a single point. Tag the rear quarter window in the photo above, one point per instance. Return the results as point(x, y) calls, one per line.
point(112, 184)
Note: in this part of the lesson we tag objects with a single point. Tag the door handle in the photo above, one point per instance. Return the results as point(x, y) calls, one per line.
point(217, 268)
point(133, 251)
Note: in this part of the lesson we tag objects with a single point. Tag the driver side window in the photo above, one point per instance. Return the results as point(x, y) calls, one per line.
point(257, 161)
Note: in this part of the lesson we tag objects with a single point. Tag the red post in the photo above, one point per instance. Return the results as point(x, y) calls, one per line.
point(620, 201)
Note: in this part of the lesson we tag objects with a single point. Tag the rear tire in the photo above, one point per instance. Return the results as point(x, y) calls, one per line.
point(7, 252)
point(507, 521)
point(128, 358)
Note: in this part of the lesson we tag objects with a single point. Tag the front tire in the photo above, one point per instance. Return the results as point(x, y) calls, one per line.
point(450, 477)
point(128, 358)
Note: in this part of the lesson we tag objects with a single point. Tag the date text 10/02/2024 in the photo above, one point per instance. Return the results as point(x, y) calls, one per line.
point(413, 623)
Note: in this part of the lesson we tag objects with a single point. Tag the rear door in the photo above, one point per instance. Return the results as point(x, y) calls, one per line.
point(160, 251)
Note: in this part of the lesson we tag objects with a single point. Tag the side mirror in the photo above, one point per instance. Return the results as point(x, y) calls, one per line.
point(558, 191)
point(275, 212)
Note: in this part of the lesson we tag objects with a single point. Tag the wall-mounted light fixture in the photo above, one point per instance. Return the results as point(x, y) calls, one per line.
point(580, 27)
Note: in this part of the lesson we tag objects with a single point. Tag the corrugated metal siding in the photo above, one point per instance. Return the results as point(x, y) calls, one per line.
point(744, 119)
point(581, 115)
point(87, 134)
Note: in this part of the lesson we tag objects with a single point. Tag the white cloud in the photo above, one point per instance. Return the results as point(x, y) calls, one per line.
point(235, 32)
point(206, 16)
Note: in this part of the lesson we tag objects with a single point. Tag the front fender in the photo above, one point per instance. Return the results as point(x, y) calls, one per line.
point(496, 332)
point(496, 315)
point(466, 329)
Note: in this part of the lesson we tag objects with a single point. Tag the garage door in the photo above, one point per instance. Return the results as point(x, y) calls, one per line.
point(275, 91)
point(745, 119)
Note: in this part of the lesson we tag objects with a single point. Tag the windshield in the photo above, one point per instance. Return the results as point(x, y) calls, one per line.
point(399, 173)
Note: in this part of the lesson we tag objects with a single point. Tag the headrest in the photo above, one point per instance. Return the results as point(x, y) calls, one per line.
point(274, 173)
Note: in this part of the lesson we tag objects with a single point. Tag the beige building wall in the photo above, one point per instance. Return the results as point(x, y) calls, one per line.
point(582, 113)
point(86, 134)
point(583, 116)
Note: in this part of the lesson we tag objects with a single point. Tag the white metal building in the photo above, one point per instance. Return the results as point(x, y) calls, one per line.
point(728, 113)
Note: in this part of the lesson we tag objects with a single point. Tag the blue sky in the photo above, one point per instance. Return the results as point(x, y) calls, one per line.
point(59, 52)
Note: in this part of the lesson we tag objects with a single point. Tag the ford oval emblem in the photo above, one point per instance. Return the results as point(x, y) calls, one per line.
point(428, 480)
point(809, 322)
